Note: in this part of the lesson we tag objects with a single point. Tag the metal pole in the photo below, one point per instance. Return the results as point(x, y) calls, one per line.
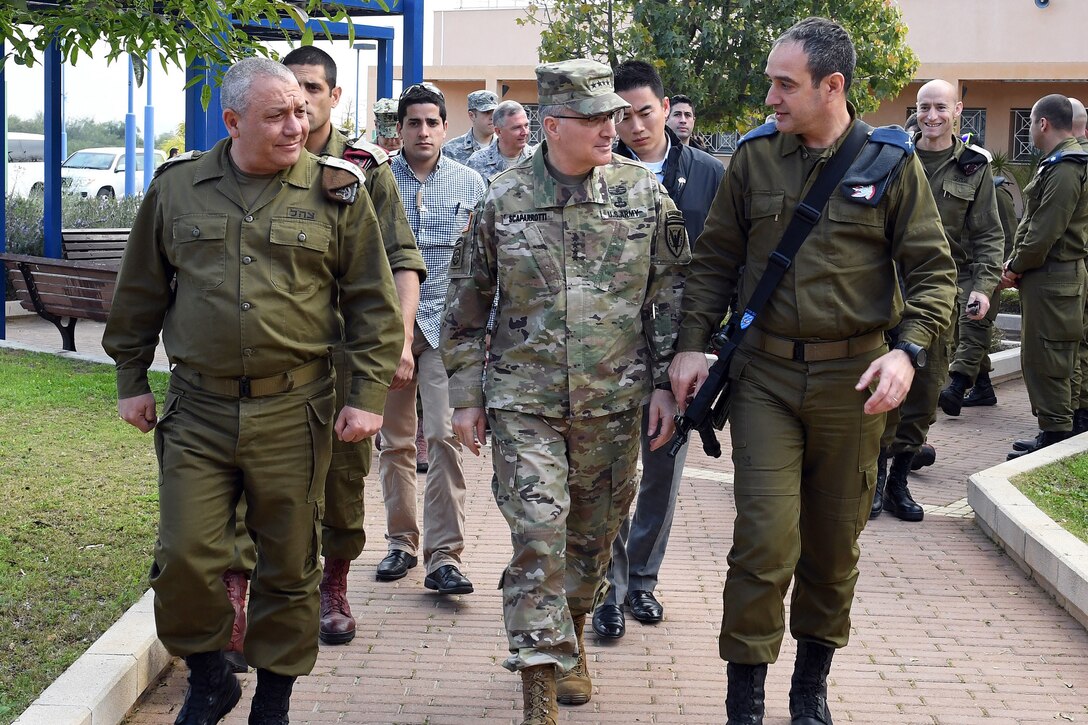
point(130, 133)
point(358, 52)
point(3, 206)
point(149, 130)
point(51, 220)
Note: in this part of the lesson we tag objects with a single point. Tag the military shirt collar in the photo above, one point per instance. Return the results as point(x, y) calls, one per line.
point(546, 189)
point(791, 142)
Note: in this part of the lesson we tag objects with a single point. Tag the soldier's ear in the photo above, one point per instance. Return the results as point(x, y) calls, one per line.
point(230, 120)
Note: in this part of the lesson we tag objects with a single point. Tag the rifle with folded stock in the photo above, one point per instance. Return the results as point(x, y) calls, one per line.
point(710, 407)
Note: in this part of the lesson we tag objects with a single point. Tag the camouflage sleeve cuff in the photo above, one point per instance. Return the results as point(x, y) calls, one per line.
point(132, 382)
point(471, 397)
point(367, 395)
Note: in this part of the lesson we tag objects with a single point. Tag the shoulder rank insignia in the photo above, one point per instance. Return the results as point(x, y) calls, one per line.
point(973, 158)
point(1077, 156)
point(340, 179)
point(877, 165)
point(364, 154)
point(768, 129)
point(187, 156)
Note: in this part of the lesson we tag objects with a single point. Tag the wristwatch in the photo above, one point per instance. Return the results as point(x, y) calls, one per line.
point(917, 353)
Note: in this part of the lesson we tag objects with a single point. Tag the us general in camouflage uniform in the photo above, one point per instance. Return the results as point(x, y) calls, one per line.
point(588, 274)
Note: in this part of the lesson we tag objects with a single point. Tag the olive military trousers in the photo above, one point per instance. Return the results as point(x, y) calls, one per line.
point(908, 425)
point(972, 340)
point(564, 486)
point(804, 455)
point(1052, 300)
point(342, 533)
point(1080, 376)
point(211, 449)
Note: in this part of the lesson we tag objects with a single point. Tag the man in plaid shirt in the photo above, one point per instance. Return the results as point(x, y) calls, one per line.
point(438, 194)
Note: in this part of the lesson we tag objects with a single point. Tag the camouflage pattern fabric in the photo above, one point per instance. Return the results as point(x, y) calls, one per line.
point(460, 148)
point(489, 161)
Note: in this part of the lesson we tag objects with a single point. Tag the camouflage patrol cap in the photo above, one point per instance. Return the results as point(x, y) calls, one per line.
point(385, 114)
point(581, 85)
point(482, 101)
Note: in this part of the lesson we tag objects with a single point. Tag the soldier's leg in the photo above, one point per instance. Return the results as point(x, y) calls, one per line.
point(972, 354)
point(285, 447)
point(1080, 401)
point(919, 408)
point(768, 445)
point(445, 492)
point(603, 455)
point(199, 486)
point(245, 553)
point(529, 455)
point(836, 492)
point(342, 534)
point(397, 469)
point(1053, 303)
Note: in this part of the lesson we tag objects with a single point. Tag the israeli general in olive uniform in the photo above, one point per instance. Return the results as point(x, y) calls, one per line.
point(584, 250)
point(248, 259)
point(1047, 264)
point(813, 375)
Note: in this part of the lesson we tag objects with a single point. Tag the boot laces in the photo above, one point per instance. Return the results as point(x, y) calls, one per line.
point(537, 688)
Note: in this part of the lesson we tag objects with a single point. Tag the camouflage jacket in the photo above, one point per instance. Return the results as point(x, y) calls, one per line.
point(489, 161)
point(460, 148)
point(589, 286)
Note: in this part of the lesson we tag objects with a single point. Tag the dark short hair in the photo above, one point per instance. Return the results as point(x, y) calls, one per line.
point(311, 55)
point(416, 95)
point(1057, 109)
point(912, 120)
point(681, 98)
point(828, 47)
point(632, 74)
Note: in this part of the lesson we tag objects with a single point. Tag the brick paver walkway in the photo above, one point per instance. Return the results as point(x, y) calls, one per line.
point(947, 629)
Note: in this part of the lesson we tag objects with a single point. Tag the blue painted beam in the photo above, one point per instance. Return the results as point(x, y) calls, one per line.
point(339, 31)
point(412, 68)
point(385, 69)
point(4, 188)
point(52, 218)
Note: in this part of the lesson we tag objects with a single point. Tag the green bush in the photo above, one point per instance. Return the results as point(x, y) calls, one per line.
point(1010, 302)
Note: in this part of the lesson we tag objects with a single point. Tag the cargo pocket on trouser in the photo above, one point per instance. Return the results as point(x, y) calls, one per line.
point(319, 412)
point(1057, 358)
point(170, 408)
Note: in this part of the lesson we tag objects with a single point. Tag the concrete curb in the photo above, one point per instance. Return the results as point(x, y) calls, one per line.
point(1053, 557)
point(103, 684)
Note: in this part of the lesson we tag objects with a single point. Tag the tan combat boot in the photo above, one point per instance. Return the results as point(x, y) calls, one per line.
point(538, 695)
point(574, 687)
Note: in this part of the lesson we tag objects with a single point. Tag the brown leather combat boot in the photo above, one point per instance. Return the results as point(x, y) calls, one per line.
point(538, 695)
point(337, 624)
point(575, 687)
point(237, 584)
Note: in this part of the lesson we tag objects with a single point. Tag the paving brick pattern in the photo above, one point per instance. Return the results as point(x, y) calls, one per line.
point(947, 629)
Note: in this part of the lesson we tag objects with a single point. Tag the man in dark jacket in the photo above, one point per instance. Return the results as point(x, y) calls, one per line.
point(691, 178)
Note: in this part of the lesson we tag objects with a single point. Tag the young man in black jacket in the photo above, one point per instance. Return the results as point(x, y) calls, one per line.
point(691, 178)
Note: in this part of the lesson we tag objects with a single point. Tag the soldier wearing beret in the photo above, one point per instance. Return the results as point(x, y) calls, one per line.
point(254, 261)
point(584, 251)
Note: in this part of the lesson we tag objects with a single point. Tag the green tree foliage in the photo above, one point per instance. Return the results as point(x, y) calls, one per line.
point(82, 132)
point(180, 31)
point(715, 50)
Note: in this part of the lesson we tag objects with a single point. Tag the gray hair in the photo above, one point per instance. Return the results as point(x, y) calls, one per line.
point(551, 111)
point(828, 47)
point(239, 78)
point(505, 110)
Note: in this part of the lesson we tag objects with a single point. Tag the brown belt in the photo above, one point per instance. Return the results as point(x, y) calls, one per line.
point(813, 351)
point(245, 387)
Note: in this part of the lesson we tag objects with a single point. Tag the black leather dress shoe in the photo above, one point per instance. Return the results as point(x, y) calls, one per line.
point(448, 580)
point(395, 565)
point(608, 621)
point(644, 607)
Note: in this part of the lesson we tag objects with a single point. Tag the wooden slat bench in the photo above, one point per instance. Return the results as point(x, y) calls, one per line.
point(62, 291)
point(94, 245)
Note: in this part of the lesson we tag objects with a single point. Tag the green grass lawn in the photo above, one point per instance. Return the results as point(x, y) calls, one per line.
point(1061, 491)
point(77, 521)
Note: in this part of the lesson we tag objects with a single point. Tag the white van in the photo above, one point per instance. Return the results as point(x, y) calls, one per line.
point(26, 163)
point(101, 171)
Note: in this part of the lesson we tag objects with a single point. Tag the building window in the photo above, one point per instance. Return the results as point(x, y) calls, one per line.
point(1021, 146)
point(723, 144)
point(972, 121)
point(536, 133)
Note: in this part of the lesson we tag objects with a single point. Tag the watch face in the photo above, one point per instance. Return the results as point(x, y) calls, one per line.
point(921, 358)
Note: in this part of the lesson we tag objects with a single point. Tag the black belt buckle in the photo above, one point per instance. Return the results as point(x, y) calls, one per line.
point(243, 387)
point(798, 351)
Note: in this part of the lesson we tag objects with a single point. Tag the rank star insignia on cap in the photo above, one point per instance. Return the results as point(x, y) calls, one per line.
point(584, 86)
point(482, 101)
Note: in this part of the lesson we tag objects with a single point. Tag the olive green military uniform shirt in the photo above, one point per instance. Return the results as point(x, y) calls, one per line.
point(589, 289)
point(257, 287)
point(1055, 221)
point(963, 188)
point(842, 281)
point(400, 243)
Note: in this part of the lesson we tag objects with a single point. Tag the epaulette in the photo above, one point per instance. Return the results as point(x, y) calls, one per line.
point(1000, 181)
point(364, 154)
point(973, 158)
point(1078, 156)
point(877, 165)
point(340, 179)
point(187, 156)
point(768, 129)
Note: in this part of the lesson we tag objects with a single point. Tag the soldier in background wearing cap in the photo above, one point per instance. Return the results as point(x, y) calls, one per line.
point(385, 125)
point(481, 107)
point(584, 250)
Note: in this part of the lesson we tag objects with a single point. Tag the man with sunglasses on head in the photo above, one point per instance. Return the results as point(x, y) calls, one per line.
point(584, 251)
point(438, 195)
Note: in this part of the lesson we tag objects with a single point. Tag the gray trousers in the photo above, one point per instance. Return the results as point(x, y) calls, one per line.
point(639, 548)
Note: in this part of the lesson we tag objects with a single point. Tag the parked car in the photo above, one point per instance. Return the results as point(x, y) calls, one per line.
point(101, 171)
point(26, 163)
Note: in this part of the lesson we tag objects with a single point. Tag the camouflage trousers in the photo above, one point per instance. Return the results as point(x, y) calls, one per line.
point(564, 487)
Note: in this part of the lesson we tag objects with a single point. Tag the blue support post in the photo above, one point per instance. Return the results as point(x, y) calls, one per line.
point(52, 218)
point(412, 42)
point(4, 187)
point(149, 130)
point(130, 134)
point(194, 112)
point(385, 69)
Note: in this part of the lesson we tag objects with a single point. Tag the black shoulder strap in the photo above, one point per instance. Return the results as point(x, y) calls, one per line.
point(805, 217)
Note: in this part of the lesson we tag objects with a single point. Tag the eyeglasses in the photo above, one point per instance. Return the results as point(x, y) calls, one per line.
point(599, 119)
point(425, 87)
